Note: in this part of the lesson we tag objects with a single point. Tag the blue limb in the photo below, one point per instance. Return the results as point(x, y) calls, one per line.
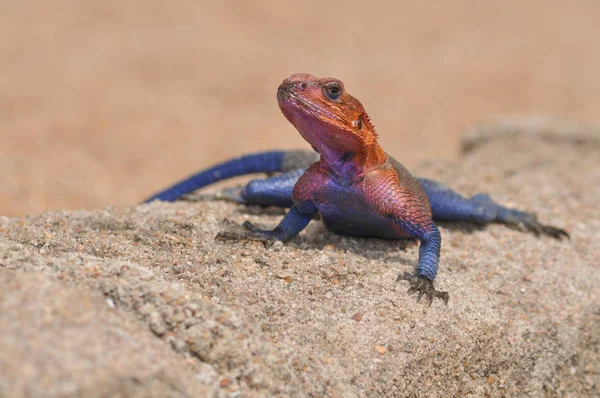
point(273, 191)
point(429, 254)
point(447, 205)
point(264, 162)
point(421, 281)
point(290, 226)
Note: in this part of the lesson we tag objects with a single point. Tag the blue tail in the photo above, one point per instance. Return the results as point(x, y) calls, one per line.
point(263, 162)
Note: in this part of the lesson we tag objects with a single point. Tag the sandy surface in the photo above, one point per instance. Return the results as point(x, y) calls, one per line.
point(102, 102)
point(143, 301)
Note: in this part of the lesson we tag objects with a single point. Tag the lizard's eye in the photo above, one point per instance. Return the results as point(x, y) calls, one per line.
point(333, 90)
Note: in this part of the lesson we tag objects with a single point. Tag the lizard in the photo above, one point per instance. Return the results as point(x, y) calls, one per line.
point(355, 187)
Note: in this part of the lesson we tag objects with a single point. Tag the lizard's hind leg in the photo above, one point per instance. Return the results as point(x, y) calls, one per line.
point(272, 191)
point(447, 205)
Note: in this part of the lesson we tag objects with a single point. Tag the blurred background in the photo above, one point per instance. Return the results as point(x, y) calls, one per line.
point(103, 102)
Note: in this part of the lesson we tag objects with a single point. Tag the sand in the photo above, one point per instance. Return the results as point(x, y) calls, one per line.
point(142, 301)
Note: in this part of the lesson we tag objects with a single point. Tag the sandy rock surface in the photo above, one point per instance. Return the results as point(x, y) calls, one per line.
point(143, 301)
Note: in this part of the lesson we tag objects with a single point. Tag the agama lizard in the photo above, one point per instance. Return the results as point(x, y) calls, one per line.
point(351, 182)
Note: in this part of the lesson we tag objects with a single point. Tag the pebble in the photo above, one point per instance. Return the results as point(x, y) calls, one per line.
point(177, 344)
point(285, 275)
point(157, 324)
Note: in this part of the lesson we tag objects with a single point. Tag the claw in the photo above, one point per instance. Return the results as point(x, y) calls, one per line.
point(529, 222)
point(251, 233)
point(229, 235)
point(554, 232)
point(423, 287)
point(250, 227)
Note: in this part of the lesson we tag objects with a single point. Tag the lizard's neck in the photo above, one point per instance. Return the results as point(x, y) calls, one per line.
point(353, 161)
point(342, 134)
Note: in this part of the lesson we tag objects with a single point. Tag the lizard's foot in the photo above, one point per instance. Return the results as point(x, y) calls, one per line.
point(249, 232)
point(528, 222)
point(423, 287)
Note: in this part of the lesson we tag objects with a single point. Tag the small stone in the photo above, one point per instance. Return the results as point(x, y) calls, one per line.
point(110, 302)
point(286, 276)
point(328, 295)
point(358, 316)
point(380, 349)
point(178, 345)
point(157, 324)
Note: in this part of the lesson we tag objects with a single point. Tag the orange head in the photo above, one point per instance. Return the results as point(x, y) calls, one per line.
point(330, 119)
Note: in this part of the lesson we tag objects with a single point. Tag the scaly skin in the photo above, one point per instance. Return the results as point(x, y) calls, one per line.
point(353, 184)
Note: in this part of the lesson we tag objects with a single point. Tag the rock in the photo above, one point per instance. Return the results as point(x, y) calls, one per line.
point(523, 316)
point(61, 340)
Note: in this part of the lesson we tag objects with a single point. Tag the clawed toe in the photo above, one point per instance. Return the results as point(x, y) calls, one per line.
point(554, 232)
point(230, 235)
point(529, 222)
point(423, 287)
point(540, 229)
point(249, 232)
point(250, 227)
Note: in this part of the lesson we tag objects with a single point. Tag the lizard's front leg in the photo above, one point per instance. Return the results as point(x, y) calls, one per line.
point(290, 226)
point(421, 281)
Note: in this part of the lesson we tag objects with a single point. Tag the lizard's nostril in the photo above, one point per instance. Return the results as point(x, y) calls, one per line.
point(282, 91)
